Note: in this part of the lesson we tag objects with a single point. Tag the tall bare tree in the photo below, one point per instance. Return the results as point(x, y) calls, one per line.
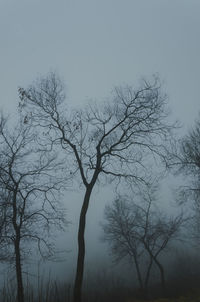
point(139, 229)
point(116, 139)
point(28, 191)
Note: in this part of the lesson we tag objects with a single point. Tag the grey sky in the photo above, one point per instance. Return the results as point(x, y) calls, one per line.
point(95, 45)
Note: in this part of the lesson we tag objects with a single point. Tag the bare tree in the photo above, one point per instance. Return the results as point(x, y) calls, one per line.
point(28, 191)
point(120, 232)
point(159, 232)
point(188, 161)
point(116, 139)
point(139, 229)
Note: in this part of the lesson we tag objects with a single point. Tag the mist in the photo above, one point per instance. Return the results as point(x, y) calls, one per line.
point(94, 47)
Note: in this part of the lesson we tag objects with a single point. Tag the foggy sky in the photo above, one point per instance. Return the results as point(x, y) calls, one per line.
point(96, 45)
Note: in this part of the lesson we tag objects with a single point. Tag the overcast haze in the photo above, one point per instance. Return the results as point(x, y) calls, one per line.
point(97, 45)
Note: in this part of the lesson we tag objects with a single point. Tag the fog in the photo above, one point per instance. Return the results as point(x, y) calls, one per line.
point(95, 46)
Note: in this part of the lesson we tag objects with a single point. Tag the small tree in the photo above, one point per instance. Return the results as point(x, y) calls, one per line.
point(139, 229)
point(120, 232)
point(28, 190)
point(115, 140)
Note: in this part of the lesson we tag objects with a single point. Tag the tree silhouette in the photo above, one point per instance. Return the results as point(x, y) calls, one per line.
point(115, 140)
point(29, 192)
point(137, 229)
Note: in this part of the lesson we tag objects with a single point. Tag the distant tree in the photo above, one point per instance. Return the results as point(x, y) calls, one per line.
point(139, 229)
point(115, 140)
point(119, 232)
point(28, 196)
point(188, 161)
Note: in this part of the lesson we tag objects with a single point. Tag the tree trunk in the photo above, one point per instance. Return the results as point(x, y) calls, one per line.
point(139, 274)
point(162, 275)
point(81, 247)
point(20, 288)
point(146, 282)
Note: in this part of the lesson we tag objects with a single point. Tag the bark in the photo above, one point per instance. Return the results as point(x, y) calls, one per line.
point(20, 288)
point(81, 247)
